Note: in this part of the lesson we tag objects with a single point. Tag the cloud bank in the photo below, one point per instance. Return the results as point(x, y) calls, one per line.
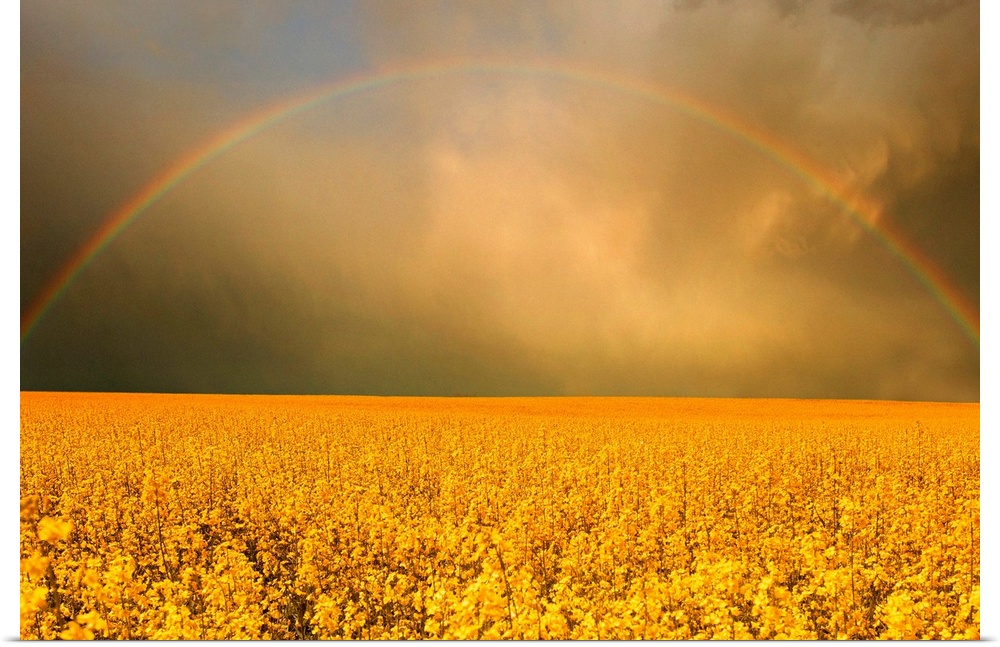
point(507, 232)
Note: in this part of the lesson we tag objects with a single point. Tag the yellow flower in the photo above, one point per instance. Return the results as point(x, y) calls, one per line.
point(52, 530)
point(35, 566)
point(92, 620)
point(91, 578)
point(76, 632)
point(29, 508)
point(34, 601)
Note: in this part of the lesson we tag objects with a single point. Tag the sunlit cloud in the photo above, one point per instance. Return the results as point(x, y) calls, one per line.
point(531, 233)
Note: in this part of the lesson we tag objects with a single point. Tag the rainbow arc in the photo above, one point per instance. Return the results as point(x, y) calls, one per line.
point(863, 209)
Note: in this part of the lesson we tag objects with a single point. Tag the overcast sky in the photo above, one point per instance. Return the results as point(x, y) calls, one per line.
point(503, 232)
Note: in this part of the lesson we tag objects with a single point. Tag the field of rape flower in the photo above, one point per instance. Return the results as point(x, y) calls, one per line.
point(203, 517)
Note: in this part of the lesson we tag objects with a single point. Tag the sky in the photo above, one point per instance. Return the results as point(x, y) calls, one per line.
point(686, 198)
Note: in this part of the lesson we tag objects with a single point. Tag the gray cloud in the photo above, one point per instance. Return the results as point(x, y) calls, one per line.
point(881, 13)
point(507, 233)
point(874, 13)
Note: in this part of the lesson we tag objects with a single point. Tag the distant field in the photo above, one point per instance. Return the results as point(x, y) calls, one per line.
point(202, 517)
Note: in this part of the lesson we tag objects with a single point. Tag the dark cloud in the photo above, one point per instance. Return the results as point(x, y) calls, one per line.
point(875, 13)
point(892, 13)
point(505, 232)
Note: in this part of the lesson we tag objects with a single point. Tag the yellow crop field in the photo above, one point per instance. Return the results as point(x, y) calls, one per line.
point(204, 517)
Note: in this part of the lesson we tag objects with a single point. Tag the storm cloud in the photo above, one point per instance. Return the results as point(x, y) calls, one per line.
point(503, 231)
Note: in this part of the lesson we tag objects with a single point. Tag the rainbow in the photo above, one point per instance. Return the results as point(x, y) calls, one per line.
point(863, 209)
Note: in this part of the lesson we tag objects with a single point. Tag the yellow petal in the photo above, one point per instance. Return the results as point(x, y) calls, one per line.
point(52, 530)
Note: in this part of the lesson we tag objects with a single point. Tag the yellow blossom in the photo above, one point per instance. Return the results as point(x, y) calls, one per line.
point(52, 530)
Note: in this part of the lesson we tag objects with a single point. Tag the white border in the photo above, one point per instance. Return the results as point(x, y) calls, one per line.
point(10, 256)
point(989, 20)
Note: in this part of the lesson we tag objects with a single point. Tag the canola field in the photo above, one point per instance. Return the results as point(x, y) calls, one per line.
point(204, 517)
